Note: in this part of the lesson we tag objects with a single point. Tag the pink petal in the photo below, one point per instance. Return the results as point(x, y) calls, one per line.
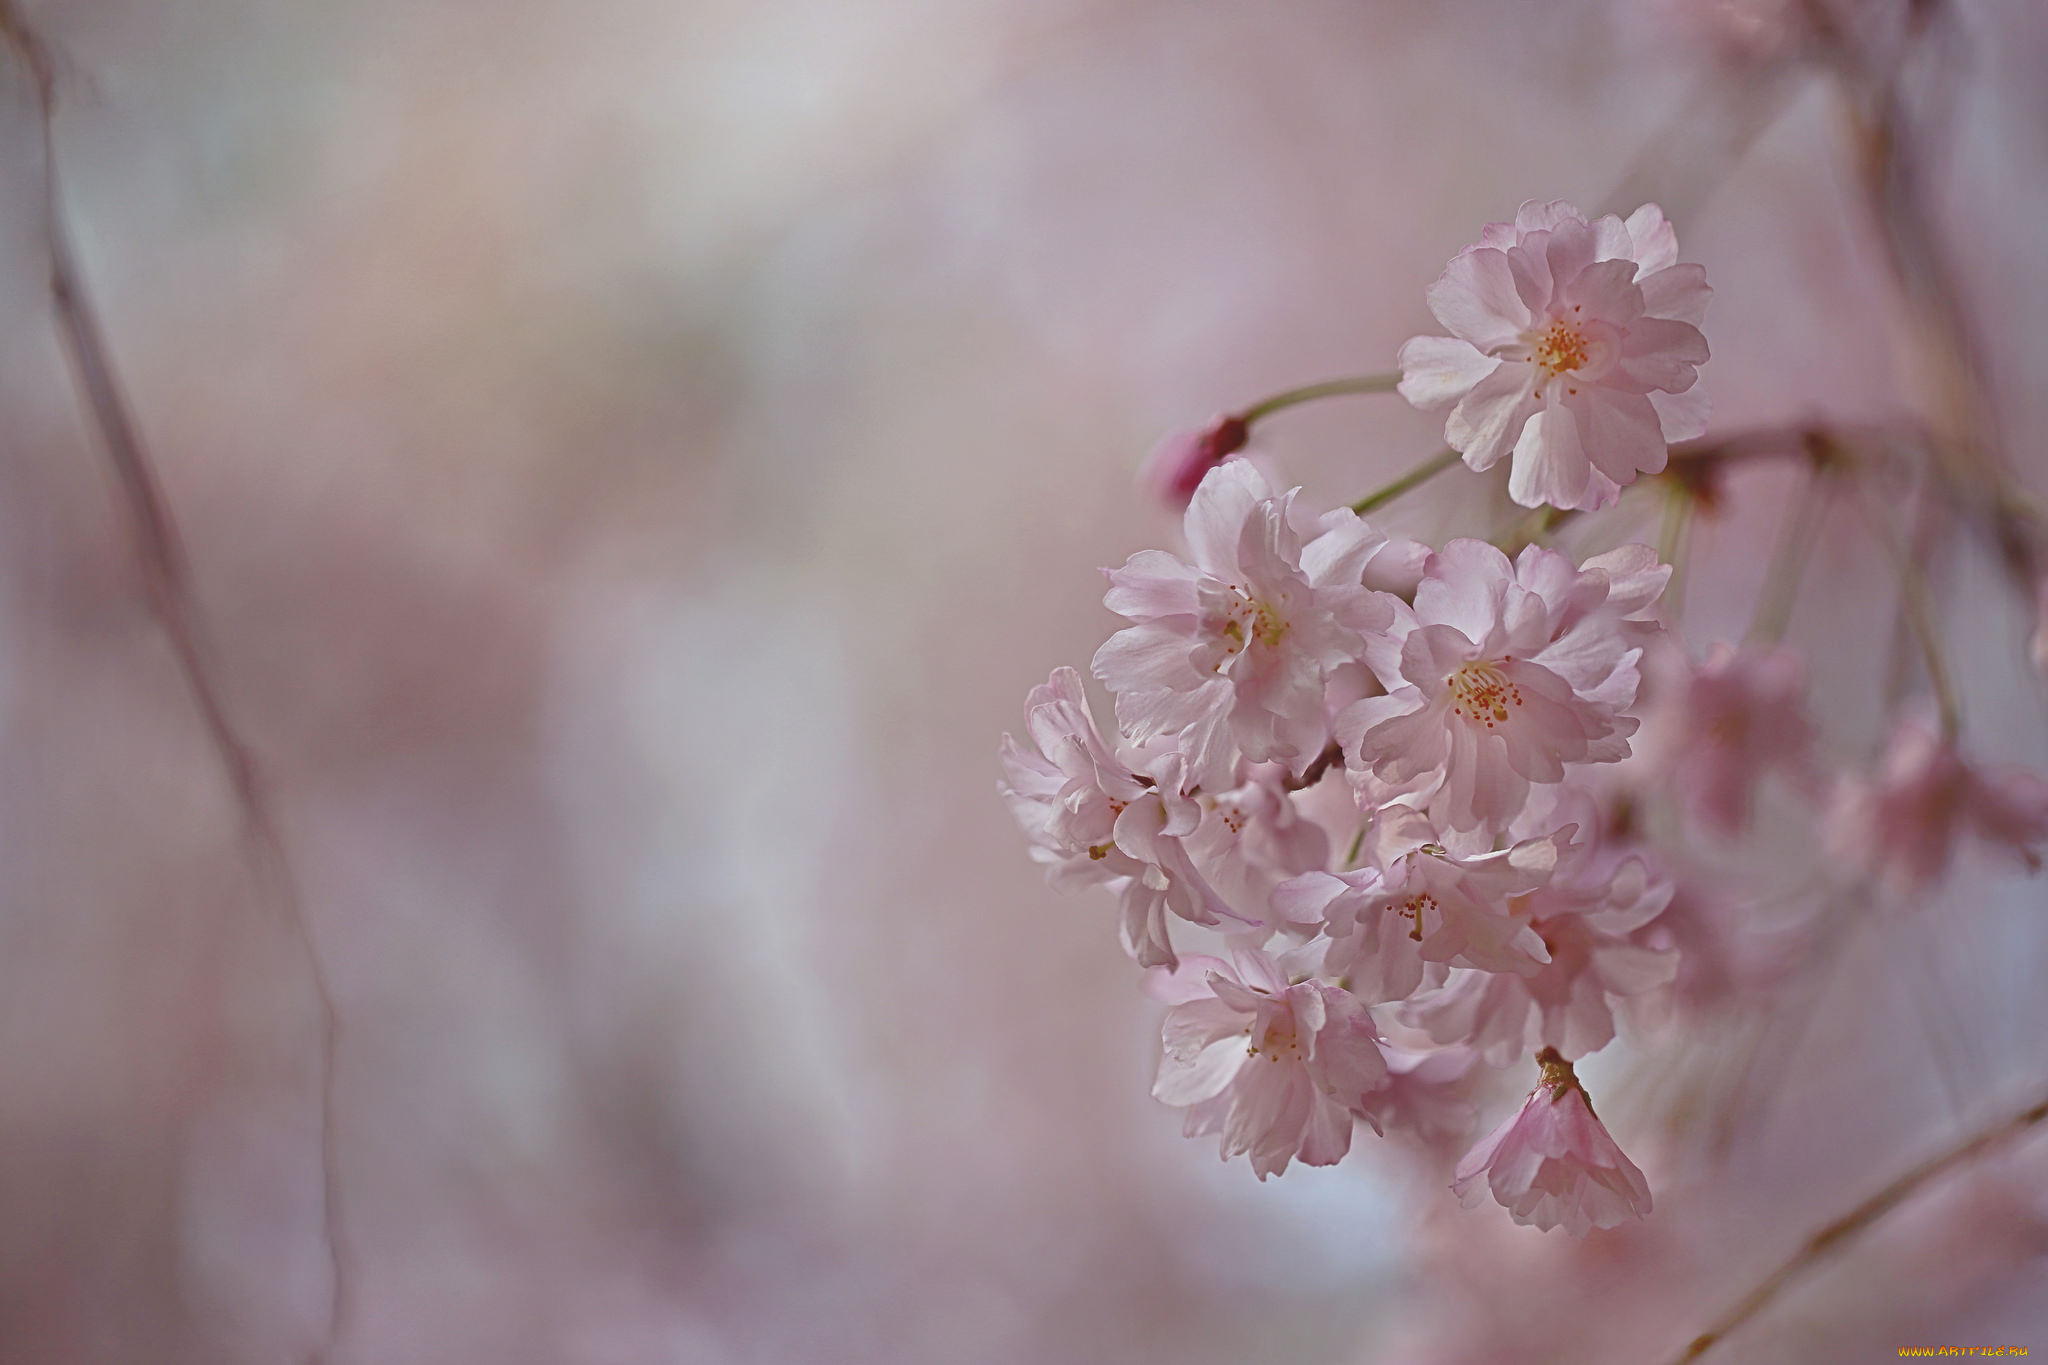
point(1153, 583)
point(1208, 1075)
point(1659, 353)
point(1656, 242)
point(1151, 655)
point(1484, 425)
point(1437, 371)
point(1620, 432)
point(1541, 215)
point(1550, 464)
point(1217, 514)
point(1606, 291)
point(1611, 240)
point(1476, 299)
point(1682, 415)
point(1465, 588)
point(1679, 292)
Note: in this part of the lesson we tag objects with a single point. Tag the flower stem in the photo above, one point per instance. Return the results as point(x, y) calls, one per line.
point(1351, 854)
point(1317, 766)
point(1414, 478)
point(1828, 1238)
point(1535, 528)
point(1309, 393)
point(167, 584)
point(1674, 543)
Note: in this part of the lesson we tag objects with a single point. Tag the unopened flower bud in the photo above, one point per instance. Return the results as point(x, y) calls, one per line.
point(1177, 465)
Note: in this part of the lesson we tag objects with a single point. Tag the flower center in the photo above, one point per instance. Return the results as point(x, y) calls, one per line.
point(1233, 815)
point(1482, 692)
point(1555, 1074)
point(1561, 348)
point(1278, 1040)
point(1249, 620)
point(1414, 908)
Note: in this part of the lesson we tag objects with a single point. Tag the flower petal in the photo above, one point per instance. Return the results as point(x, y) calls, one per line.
point(1484, 424)
point(1476, 299)
point(1437, 371)
point(1550, 464)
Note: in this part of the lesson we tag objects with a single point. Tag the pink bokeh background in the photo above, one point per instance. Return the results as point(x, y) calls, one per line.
point(634, 458)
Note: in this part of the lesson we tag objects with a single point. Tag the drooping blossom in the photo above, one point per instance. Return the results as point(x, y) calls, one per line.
point(1094, 820)
point(1734, 717)
point(1179, 463)
point(1587, 916)
point(1425, 904)
point(1500, 675)
point(1553, 1162)
point(1278, 1067)
point(1575, 345)
point(1903, 822)
point(1229, 654)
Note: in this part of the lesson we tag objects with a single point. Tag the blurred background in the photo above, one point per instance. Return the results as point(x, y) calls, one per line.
point(633, 459)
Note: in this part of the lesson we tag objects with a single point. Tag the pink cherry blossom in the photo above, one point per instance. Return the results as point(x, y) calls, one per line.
point(1279, 1068)
point(1180, 462)
point(1500, 675)
point(1903, 822)
point(1093, 820)
point(1230, 654)
point(1427, 904)
point(1574, 344)
point(1586, 916)
point(1735, 717)
point(1553, 1162)
point(1253, 837)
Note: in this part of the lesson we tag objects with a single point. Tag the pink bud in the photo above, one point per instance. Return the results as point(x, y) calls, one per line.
point(1177, 465)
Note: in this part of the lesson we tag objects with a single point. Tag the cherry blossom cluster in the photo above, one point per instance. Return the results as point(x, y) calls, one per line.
point(1369, 808)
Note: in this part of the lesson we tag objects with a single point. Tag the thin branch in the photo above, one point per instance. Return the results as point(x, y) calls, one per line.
point(1309, 393)
point(1414, 478)
point(1317, 766)
point(1692, 153)
point(167, 582)
point(1831, 1237)
point(1674, 545)
point(1845, 443)
point(1917, 608)
point(1796, 537)
point(1533, 528)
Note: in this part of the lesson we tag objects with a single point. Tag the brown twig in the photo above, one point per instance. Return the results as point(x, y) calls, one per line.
point(1831, 1237)
point(1332, 754)
point(167, 582)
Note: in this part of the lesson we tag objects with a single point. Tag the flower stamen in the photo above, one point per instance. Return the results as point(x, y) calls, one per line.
point(1563, 347)
point(1482, 691)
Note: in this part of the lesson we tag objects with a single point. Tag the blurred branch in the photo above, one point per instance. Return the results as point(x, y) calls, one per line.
point(1917, 607)
point(167, 582)
point(1798, 531)
point(1831, 1237)
point(1692, 152)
